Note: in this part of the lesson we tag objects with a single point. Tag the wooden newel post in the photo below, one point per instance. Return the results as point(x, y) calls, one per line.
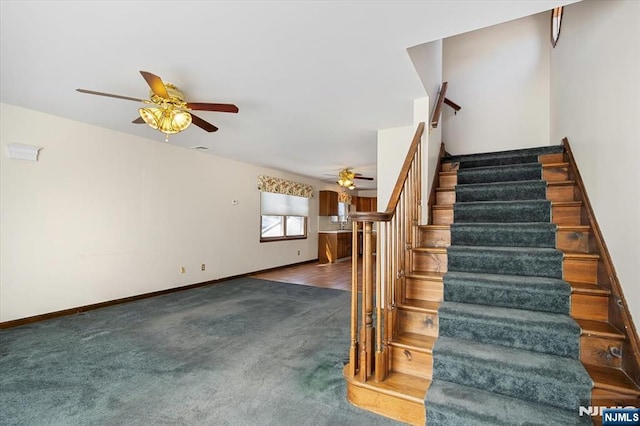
point(353, 350)
point(368, 331)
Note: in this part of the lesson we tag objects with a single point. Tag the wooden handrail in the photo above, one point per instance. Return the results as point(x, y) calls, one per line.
point(452, 104)
point(435, 118)
point(397, 189)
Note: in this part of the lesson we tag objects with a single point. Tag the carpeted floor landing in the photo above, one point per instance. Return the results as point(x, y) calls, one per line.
point(242, 352)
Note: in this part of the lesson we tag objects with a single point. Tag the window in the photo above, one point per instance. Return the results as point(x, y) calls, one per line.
point(283, 216)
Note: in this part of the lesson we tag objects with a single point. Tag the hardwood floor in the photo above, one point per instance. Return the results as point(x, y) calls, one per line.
point(329, 275)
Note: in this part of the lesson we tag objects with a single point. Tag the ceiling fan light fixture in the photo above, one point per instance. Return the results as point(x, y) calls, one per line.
point(168, 111)
point(345, 179)
point(166, 120)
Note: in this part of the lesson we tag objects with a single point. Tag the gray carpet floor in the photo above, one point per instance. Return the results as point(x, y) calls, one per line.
point(241, 352)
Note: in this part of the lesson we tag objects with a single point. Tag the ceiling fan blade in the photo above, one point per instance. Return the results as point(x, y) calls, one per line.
point(110, 95)
point(200, 106)
point(363, 177)
point(156, 84)
point(138, 120)
point(204, 125)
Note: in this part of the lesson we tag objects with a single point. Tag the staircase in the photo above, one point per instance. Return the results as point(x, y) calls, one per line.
point(503, 310)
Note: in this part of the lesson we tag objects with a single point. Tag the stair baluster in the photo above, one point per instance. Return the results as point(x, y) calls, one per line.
point(382, 280)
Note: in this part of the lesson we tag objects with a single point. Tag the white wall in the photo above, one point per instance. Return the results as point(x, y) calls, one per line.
point(393, 145)
point(427, 60)
point(595, 103)
point(500, 77)
point(104, 215)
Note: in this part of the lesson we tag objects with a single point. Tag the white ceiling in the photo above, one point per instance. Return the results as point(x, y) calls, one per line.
point(314, 80)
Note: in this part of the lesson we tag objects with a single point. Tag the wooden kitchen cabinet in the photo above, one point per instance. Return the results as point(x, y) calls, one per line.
point(333, 246)
point(367, 204)
point(328, 203)
point(344, 244)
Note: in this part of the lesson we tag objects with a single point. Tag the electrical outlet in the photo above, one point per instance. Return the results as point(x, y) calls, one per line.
point(183, 270)
point(203, 267)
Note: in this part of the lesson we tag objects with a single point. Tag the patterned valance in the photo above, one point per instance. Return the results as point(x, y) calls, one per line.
point(343, 197)
point(283, 186)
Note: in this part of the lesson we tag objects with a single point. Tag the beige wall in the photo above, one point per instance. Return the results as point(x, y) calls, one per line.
point(104, 215)
point(427, 60)
point(595, 103)
point(393, 145)
point(500, 77)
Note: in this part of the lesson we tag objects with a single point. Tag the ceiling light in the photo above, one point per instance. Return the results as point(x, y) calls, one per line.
point(345, 179)
point(166, 119)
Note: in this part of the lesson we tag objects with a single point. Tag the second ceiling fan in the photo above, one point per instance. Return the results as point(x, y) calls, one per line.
point(168, 111)
point(346, 178)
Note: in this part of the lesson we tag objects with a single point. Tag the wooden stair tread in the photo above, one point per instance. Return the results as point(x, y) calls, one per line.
point(599, 329)
point(435, 227)
point(426, 275)
point(566, 203)
point(422, 306)
point(437, 250)
point(583, 256)
point(414, 341)
point(611, 379)
point(400, 385)
point(562, 183)
point(574, 228)
point(586, 288)
point(554, 165)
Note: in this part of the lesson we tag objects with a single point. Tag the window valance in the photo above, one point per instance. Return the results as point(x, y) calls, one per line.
point(283, 186)
point(343, 197)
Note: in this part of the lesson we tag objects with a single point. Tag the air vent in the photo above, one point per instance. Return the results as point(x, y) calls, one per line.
point(200, 148)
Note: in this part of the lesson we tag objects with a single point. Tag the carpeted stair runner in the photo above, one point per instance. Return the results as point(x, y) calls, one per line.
point(546, 379)
point(519, 156)
point(502, 191)
point(510, 173)
point(453, 404)
point(504, 234)
point(507, 351)
point(509, 291)
point(555, 334)
point(502, 211)
point(528, 261)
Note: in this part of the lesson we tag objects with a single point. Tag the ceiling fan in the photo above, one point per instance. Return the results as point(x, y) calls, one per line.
point(168, 111)
point(346, 178)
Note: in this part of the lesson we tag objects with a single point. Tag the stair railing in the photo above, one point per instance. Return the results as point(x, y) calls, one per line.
point(437, 108)
point(381, 279)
